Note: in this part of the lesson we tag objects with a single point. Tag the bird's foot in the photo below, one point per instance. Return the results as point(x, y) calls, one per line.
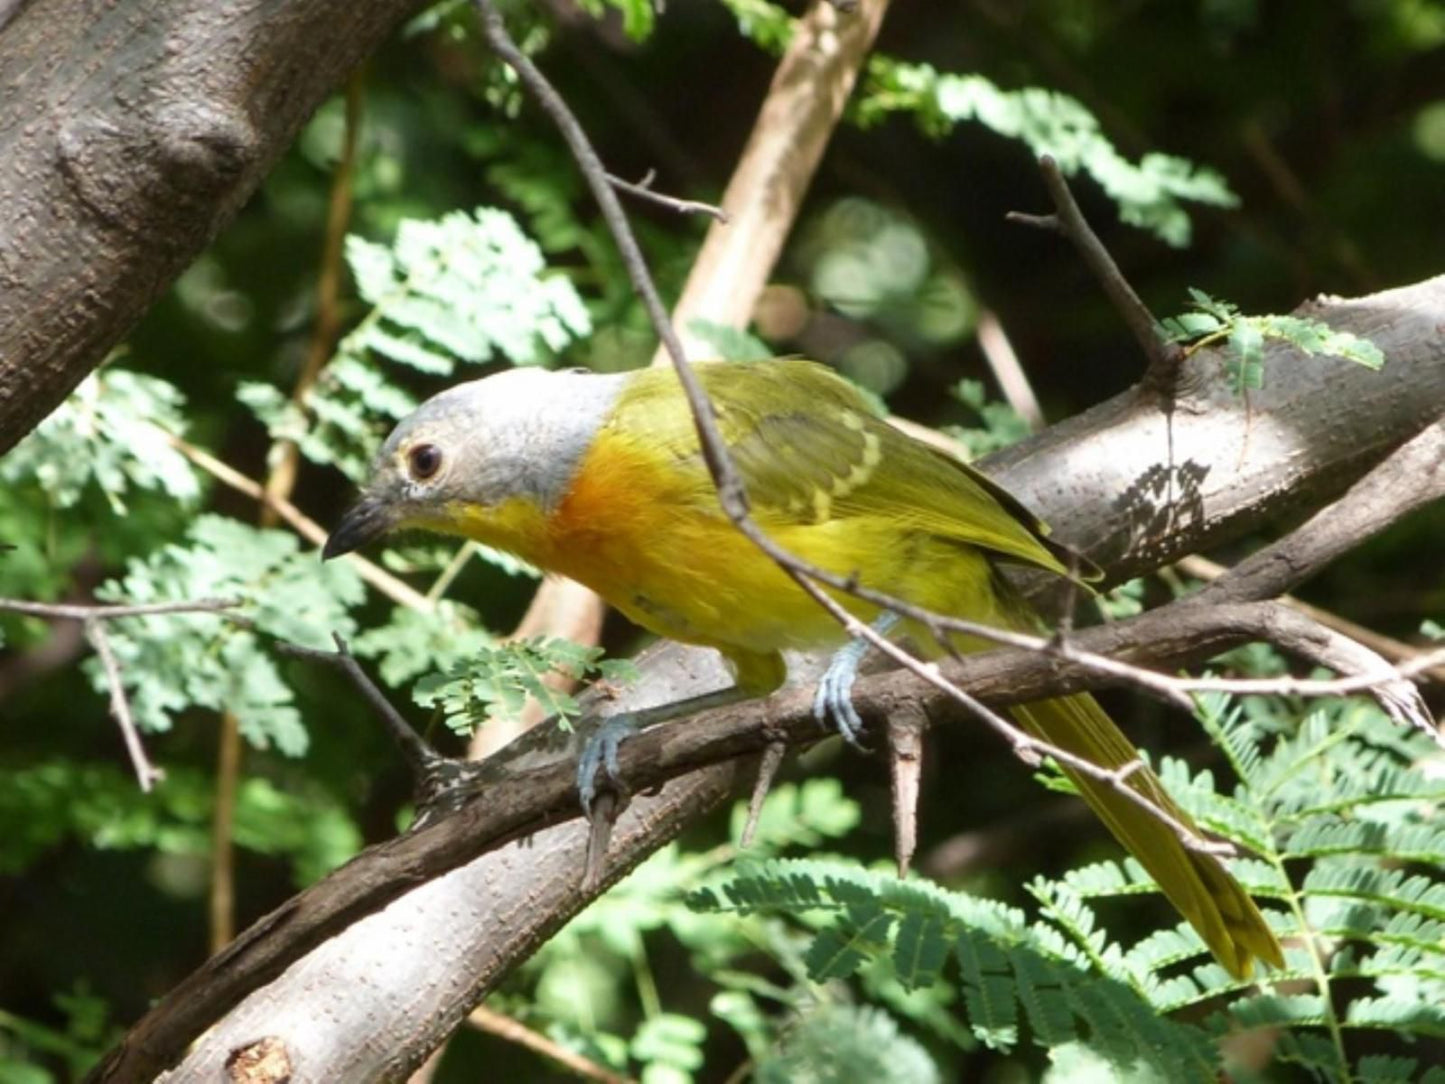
point(599, 757)
point(833, 702)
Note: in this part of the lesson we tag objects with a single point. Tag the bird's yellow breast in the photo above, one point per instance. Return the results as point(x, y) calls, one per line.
point(648, 533)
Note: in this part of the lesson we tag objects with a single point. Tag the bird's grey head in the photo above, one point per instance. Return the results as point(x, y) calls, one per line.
point(474, 447)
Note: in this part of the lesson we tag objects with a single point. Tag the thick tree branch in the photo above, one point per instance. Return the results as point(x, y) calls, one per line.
point(1136, 489)
point(129, 134)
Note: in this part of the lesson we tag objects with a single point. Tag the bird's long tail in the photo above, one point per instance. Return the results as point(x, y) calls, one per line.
point(1197, 884)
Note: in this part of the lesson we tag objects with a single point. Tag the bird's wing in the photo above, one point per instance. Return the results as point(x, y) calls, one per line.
point(810, 449)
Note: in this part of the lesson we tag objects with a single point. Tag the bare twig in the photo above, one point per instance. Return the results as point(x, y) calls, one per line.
point(221, 898)
point(324, 331)
point(514, 1031)
point(1006, 369)
point(1201, 568)
point(432, 773)
point(1164, 356)
point(726, 478)
point(146, 773)
point(643, 190)
point(92, 618)
point(768, 766)
point(804, 103)
point(397, 590)
point(67, 611)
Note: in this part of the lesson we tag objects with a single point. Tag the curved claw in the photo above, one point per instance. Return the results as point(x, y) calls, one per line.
point(833, 702)
point(599, 755)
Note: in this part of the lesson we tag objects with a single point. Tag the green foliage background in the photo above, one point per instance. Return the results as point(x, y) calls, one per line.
point(1236, 149)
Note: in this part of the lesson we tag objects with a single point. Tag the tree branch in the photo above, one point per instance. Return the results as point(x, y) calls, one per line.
point(644, 191)
point(1164, 356)
point(142, 129)
point(92, 618)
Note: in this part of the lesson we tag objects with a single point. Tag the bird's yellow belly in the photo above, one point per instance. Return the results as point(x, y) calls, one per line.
point(703, 582)
point(654, 543)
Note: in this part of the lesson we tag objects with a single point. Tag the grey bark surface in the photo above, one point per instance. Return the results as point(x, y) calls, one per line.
point(130, 133)
point(1135, 486)
point(1102, 478)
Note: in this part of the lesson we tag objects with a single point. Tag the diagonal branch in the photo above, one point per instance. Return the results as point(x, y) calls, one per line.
point(146, 773)
point(92, 617)
point(1163, 355)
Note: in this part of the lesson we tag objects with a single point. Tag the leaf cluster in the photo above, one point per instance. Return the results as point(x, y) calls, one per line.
point(1341, 819)
point(1212, 321)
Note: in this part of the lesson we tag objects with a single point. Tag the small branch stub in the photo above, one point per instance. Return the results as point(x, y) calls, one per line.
point(266, 1061)
point(1164, 356)
point(767, 772)
point(905, 769)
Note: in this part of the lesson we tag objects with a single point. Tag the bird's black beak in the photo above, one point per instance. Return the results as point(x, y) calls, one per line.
point(367, 519)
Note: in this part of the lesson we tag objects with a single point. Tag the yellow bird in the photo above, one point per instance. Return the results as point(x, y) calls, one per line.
point(599, 477)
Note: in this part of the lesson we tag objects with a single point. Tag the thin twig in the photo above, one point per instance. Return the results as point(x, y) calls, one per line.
point(393, 588)
point(92, 617)
point(643, 190)
point(442, 584)
point(69, 611)
point(420, 756)
point(731, 492)
point(1164, 356)
point(1202, 568)
point(804, 104)
point(514, 1031)
point(1003, 362)
point(286, 454)
point(146, 773)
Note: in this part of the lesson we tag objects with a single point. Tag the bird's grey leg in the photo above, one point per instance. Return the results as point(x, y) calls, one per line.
point(599, 752)
point(833, 702)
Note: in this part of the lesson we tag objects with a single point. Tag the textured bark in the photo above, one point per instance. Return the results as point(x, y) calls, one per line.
point(1316, 427)
point(1135, 486)
point(130, 132)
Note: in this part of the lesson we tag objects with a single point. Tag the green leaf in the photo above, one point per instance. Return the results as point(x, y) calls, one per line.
point(919, 950)
point(845, 1044)
point(1247, 336)
point(1149, 193)
point(495, 681)
point(112, 432)
point(173, 662)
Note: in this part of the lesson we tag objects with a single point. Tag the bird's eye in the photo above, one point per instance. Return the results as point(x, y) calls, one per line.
point(424, 461)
